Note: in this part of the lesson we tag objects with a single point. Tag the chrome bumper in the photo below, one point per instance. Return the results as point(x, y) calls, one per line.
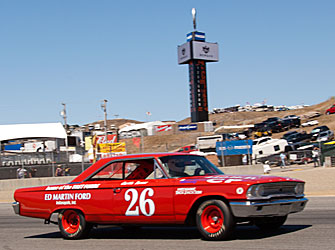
point(270, 208)
point(16, 207)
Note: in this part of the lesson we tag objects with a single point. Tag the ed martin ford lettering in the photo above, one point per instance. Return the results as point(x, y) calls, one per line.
point(162, 188)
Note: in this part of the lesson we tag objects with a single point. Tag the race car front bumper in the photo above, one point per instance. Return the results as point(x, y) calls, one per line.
point(267, 208)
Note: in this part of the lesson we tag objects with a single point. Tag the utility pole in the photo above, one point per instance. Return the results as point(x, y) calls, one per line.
point(63, 113)
point(104, 107)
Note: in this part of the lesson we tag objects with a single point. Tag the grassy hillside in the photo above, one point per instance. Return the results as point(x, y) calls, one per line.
point(172, 142)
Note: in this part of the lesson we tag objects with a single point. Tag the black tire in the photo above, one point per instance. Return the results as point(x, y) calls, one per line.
point(72, 224)
point(271, 223)
point(215, 220)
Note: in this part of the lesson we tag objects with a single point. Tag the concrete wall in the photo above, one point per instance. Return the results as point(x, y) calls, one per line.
point(7, 187)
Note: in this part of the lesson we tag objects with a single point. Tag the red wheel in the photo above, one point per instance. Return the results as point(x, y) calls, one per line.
point(70, 221)
point(72, 224)
point(214, 220)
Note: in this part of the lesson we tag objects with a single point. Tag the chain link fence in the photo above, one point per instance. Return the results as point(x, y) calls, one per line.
point(41, 164)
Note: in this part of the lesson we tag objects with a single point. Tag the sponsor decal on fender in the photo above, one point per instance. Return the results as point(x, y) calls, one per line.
point(228, 179)
point(73, 187)
point(67, 196)
point(133, 183)
point(188, 191)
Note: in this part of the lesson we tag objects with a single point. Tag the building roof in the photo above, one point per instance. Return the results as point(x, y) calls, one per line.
point(140, 126)
point(28, 131)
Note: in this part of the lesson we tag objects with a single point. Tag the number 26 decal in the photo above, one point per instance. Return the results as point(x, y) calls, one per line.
point(133, 197)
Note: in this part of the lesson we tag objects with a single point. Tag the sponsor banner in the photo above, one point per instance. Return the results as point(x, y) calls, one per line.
point(163, 128)
point(101, 139)
point(187, 127)
point(205, 51)
point(88, 142)
point(184, 53)
point(112, 147)
point(238, 147)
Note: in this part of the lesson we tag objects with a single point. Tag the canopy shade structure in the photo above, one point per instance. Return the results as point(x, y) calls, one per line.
point(28, 131)
point(233, 128)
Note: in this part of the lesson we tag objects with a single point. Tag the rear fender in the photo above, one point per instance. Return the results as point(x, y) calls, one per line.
point(60, 209)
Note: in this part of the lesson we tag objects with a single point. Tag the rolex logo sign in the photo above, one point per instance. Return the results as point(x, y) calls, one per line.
point(205, 49)
point(184, 53)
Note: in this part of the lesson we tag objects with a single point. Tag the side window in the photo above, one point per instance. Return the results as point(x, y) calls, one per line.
point(111, 172)
point(276, 148)
point(130, 170)
point(157, 173)
point(138, 169)
point(263, 140)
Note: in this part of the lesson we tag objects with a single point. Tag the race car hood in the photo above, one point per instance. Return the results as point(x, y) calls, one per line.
point(237, 179)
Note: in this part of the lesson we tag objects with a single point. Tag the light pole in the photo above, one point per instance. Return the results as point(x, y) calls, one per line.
point(104, 108)
point(63, 113)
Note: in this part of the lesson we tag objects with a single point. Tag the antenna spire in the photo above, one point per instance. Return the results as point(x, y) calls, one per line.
point(194, 12)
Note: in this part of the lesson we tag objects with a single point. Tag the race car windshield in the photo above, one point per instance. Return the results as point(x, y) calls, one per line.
point(188, 165)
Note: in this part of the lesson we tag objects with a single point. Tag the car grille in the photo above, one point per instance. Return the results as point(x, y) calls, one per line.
point(279, 189)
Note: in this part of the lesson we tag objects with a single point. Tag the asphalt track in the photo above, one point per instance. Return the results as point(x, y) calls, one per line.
point(314, 228)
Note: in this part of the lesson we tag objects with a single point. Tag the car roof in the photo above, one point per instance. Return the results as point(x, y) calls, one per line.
point(96, 166)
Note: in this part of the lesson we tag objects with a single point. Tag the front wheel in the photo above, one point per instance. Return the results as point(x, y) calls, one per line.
point(214, 220)
point(72, 224)
point(271, 223)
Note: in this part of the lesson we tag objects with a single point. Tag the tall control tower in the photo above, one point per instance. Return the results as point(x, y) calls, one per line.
point(196, 52)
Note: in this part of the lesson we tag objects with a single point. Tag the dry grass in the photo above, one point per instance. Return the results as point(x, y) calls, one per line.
point(162, 143)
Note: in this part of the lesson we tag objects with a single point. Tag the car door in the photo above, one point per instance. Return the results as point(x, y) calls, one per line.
point(144, 197)
point(100, 186)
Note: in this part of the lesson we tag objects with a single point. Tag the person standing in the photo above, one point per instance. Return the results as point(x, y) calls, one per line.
point(67, 171)
point(283, 160)
point(21, 173)
point(59, 170)
point(315, 156)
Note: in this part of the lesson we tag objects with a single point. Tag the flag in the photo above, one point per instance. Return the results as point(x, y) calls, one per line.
point(137, 142)
point(163, 128)
point(148, 113)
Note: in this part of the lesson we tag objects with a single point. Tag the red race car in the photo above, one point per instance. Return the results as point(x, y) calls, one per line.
point(162, 188)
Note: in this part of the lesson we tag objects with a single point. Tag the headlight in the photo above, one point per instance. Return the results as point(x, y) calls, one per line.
point(299, 189)
point(260, 190)
point(255, 191)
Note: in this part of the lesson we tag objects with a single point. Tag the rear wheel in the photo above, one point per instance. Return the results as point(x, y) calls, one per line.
point(271, 223)
point(214, 220)
point(72, 224)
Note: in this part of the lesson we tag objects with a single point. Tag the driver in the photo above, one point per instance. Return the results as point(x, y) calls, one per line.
point(176, 168)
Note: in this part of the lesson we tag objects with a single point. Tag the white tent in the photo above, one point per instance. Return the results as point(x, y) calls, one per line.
point(26, 131)
point(149, 126)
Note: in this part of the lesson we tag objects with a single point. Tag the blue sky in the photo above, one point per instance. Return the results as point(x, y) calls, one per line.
point(80, 52)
